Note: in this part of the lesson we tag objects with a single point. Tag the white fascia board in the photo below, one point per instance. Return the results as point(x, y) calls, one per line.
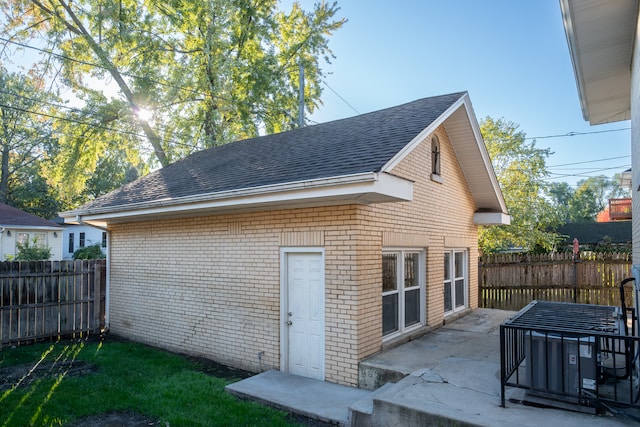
point(361, 189)
point(464, 102)
point(491, 218)
point(32, 227)
point(422, 135)
point(567, 20)
point(471, 116)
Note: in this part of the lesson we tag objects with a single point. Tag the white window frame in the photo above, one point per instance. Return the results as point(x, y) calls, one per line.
point(40, 240)
point(401, 290)
point(453, 278)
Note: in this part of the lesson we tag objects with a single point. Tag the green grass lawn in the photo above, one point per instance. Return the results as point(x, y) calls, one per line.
point(121, 376)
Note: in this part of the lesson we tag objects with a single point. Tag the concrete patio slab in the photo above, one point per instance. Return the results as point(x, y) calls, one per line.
point(454, 380)
point(312, 398)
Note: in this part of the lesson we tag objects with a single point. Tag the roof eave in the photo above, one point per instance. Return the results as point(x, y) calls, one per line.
point(476, 163)
point(601, 59)
point(364, 188)
point(31, 227)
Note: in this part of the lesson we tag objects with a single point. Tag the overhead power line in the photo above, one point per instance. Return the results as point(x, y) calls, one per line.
point(576, 133)
point(93, 125)
point(339, 96)
point(590, 161)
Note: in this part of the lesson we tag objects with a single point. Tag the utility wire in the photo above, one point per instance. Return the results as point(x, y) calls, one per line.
point(93, 125)
point(577, 133)
point(339, 96)
point(80, 111)
point(590, 161)
point(146, 79)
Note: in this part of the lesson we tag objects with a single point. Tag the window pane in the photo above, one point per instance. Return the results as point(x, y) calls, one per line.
point(447, 266)
point(389, 314)
point(389, 272)
point(104, 239)
point(411, 307)
point(459, 264)
point(459, 293)
point(22, 238)
point(448, 306)
point(411, 270)
point(70, 242)
point(39, 240)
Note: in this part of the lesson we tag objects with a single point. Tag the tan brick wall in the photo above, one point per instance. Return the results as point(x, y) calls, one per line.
point(440, 214)
point(210, 286)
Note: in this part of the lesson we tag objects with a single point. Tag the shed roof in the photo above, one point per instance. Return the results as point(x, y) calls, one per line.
point(13, 217)
point(590, 233)
point(343, 161)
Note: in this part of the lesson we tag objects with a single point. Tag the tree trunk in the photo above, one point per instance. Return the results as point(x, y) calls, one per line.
point(78, 28)
point(4, 174)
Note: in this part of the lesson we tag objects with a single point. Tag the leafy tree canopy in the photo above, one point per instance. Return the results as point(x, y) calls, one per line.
point(520, 168)
point(590, 197)
point(182, 74)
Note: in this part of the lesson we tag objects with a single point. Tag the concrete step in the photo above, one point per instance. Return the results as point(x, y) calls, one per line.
point(372, 375)
point(414, 401)
point(361, 411)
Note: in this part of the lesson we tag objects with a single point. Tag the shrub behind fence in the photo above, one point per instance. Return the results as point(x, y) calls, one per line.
point(50, 299)
point(511, 281)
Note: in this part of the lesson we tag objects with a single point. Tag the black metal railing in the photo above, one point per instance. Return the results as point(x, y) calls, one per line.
point(571, 355)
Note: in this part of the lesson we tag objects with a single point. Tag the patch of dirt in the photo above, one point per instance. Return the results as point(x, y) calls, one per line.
point(218, 370)
point(24, 375)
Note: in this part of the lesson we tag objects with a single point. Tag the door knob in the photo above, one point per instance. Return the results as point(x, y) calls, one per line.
point(289, 314)
point(289, 323)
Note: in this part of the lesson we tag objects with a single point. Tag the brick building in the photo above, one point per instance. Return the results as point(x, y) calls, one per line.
point(305, 251)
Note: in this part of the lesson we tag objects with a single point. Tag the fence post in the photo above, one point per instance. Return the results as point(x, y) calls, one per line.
point(97, 292)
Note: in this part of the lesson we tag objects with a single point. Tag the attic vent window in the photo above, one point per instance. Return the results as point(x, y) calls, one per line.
point(435, 159)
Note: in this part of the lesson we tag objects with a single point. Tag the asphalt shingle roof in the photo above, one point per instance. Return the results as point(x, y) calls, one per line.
point(10, 216)
point(590, 233)
point(349, 146)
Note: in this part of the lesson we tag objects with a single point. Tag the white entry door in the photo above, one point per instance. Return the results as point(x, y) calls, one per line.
point(304, 314)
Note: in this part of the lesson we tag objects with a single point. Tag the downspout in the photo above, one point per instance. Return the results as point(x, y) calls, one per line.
point(107, 285)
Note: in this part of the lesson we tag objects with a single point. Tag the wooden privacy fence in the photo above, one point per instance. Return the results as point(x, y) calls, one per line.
point(50, 299)
point(511, 281)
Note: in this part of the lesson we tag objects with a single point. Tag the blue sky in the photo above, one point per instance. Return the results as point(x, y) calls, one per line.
point(510, 55)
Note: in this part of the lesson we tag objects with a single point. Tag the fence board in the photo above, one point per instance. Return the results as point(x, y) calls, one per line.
point(50, 299)
point(511, 281)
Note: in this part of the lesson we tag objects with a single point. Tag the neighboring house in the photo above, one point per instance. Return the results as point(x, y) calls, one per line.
point(17, 226)
point(604, 43)
point(77, 236)
point(308, 250)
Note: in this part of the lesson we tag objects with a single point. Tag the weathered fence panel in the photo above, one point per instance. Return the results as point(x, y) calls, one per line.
point(50, 299)
point(511, 281)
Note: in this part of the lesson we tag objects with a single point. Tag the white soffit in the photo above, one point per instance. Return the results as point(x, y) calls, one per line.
point(358, 189)
point(464, 134)
point(600, 35)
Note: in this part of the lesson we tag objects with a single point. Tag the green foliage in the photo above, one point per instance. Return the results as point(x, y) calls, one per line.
point(89, 252)
point(128, 377)
point(32, 251)
point(25, 141)
point(520, 168)
point(208, 72)
point(587, 200)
